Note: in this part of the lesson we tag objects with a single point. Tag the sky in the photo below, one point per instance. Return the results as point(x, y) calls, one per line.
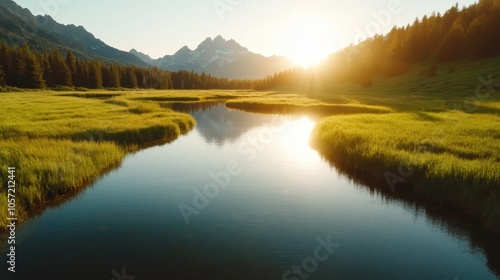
point(305, 31)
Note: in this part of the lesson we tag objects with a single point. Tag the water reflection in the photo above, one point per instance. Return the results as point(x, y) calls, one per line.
point(441, 217)
point(219, 125)
point(296, 138)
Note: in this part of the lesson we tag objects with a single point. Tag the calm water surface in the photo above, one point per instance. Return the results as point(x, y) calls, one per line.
point(260, 203)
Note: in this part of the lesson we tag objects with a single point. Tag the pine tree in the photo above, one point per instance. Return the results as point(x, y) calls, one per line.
point(47, 72)
point(140, 76)
point(81, 76)
point(95, 75)
point(450, 48)
point(5, 61)
point(115, 77)
point(71, 64)
point(61, 74)
point(2, 76)
point(30, 74)
point(106, 76)
point(128, 78)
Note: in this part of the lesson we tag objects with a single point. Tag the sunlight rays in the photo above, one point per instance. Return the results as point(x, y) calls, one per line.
point(309, 40)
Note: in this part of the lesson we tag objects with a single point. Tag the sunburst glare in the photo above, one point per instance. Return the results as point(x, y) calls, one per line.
point(309, 41)
point(296, 139)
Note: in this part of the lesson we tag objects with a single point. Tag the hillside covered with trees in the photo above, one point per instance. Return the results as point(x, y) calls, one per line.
point(469, 33)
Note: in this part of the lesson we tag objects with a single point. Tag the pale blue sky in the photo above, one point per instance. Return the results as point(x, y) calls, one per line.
point(159, 27)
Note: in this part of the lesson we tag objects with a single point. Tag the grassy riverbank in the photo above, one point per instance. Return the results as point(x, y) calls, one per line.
point(273, 103)
point(447, 129)
point(48, 168)
point(449, 157)
point(59, 141)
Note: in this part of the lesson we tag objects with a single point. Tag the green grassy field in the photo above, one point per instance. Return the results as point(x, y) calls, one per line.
point(446, 129)
point(454, 84)
point(59, 141)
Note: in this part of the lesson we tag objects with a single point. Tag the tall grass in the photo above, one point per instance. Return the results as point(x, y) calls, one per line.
point(455, 156)
point(60, 141)
point(48, 168)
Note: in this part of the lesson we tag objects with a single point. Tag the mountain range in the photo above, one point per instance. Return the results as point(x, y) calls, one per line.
point(218, 57)
point(43, 33)
point(221, 58)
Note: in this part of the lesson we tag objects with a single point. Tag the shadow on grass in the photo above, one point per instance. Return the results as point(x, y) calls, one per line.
point(92, 95)
point(478, 109)
point(191, 107)
point(428, 117)
point(167, 99)
point(315, 110)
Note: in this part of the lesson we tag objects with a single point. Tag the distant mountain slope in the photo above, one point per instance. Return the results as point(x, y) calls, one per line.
point(222, 58)
point(144, 57)
point(19, 25)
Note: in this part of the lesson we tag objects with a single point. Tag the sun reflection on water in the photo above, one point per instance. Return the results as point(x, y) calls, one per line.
point(295, 139)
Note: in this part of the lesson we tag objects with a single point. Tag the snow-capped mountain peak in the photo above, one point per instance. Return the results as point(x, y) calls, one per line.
point(221, 57)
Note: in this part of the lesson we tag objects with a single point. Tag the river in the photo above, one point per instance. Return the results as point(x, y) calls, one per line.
point(243, 196)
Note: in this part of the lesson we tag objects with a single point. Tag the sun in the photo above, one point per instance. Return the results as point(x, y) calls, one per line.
point(309, 40)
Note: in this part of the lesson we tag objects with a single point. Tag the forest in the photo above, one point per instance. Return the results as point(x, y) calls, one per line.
point(469, 33)
point(20, 67)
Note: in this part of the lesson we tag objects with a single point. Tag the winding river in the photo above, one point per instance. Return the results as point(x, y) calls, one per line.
point(243, 196)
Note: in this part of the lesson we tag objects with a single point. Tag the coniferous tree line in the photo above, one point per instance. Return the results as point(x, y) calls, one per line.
point(472, 33)
point(23, 68)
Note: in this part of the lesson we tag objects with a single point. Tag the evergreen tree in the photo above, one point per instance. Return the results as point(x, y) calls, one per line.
point(61, 74)
point(30, 74)
point(47, 71)
point(140, 77)
point(82, 75)
point(128, 78)
point(5, 61)
point(71, 64)
point(115, 77)
point(95, 75)
point(450, 48)
point(106, 76)
point(2, 76)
